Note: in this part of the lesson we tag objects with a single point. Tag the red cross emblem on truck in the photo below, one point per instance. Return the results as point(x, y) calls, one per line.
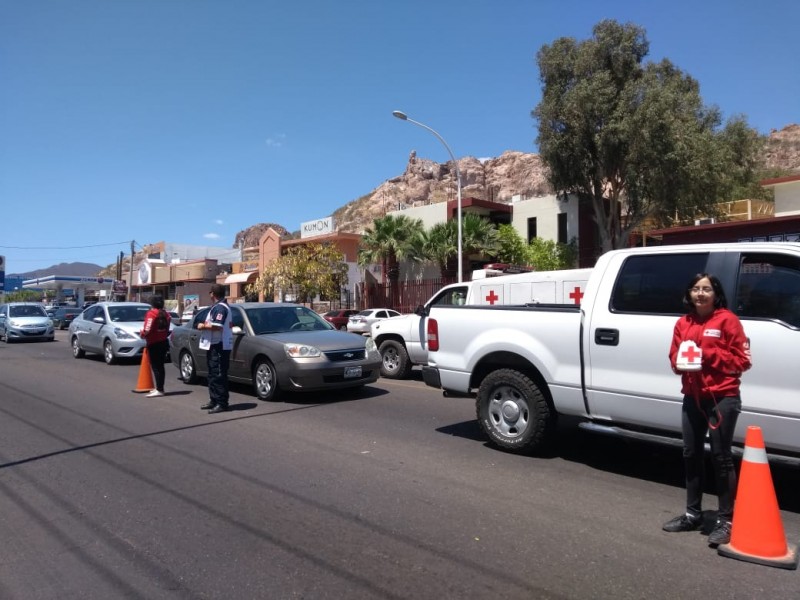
point(492, 297)
point(576, 295)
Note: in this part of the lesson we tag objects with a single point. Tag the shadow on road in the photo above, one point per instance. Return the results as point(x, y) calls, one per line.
point(630, 458)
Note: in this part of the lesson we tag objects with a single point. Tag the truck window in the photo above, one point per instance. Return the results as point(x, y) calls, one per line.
point(456, 296)
point(769, 288)
point(655, 283)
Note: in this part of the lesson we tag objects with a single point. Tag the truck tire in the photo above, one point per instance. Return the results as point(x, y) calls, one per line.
point(394, 360)
point(513, 411)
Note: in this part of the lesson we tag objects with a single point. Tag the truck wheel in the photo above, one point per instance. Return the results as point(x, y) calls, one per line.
point(394, 360)
point(513, 411)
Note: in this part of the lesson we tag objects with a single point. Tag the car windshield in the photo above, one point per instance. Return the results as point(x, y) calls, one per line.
point(126, 314)
point(27, 310)
point(280, 319)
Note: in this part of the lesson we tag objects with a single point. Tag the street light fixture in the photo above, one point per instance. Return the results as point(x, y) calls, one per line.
point(403, 117)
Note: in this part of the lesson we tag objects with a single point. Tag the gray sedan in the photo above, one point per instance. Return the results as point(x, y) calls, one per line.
point(279, 347)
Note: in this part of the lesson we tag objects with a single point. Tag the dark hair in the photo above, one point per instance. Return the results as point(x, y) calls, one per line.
point(218, 290)
point(720, 301)
point(157, 301)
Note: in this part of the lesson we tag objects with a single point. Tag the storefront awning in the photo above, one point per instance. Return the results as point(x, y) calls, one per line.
point(248, 277)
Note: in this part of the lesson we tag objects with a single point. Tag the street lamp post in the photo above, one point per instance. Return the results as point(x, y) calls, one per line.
point(402, 116)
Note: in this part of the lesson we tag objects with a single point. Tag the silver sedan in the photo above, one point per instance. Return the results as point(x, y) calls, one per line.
point(280, 347)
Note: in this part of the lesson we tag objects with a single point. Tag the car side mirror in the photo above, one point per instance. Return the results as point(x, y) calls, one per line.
point(237, 330)
point(99, 320)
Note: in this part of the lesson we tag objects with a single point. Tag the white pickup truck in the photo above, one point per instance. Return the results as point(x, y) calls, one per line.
point(401, 340)
point(606, 361)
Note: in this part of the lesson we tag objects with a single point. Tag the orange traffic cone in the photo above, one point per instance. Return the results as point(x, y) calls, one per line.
point(757, 532)
point(145, 383)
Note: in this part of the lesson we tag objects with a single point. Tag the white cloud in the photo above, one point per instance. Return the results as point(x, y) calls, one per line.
point(276, 141)
point(211, 236)
point(218, 221)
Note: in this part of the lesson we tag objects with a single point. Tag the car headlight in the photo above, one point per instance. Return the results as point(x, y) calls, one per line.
point(121, 334)
point(13, 323)
point(301, 351)
point(371, 345)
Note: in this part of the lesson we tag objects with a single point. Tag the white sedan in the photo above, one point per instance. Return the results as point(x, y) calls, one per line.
point(361, 322)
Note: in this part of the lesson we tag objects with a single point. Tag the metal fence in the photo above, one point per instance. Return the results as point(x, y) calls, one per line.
point(407, 296)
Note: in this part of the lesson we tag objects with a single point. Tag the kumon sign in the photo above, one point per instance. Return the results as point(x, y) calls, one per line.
point(317, 227)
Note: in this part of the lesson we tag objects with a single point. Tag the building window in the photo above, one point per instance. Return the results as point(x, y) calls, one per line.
point(531, 229)
point(562, 228)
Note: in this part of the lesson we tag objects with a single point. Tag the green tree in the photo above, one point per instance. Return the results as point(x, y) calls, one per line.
point(441, 247)
point(478, 236)
point(307, 271)
point(548, 255)
point(511, 246)
point(634, 140)
point(392, 239)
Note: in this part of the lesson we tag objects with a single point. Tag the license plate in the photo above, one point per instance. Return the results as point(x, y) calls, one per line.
point(352, 372)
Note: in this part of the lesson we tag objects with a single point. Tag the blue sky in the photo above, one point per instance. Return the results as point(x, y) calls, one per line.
point(190, 120)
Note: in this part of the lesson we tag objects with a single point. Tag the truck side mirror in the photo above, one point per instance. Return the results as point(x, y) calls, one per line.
point(421, 311)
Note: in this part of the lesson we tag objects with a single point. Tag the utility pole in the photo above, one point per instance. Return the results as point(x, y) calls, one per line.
point(130, 276)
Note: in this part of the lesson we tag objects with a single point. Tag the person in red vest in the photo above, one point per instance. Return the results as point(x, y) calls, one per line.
point(156, 333)
point(710, 351)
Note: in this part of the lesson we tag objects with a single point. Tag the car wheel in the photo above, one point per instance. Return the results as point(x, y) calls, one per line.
point(265, 381)
point(187, 368)
point(108, 353)
point(343, 328)
point(77, 352)
point(394, 360)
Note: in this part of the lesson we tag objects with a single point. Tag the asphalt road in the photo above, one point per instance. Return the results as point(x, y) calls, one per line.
point(388, 492)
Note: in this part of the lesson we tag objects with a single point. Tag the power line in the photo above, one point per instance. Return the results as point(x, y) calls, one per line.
point(62, 247)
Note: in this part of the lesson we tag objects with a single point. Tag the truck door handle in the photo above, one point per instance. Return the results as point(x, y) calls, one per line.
point(606, 337)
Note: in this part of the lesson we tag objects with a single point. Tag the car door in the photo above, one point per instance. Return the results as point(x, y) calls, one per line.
point(627, 340)
point(89, 333)
point(240, 356)
point(192, 342)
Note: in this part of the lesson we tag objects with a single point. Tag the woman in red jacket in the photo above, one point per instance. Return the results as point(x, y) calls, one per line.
point(710, 351)
point(156, 334)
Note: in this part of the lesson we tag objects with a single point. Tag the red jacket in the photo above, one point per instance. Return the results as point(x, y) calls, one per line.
point(150, 332)
point(726, 353)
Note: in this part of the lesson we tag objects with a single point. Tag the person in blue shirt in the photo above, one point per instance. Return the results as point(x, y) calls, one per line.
point(218, 337)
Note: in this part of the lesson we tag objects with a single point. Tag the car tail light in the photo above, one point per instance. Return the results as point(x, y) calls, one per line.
point(433, 335)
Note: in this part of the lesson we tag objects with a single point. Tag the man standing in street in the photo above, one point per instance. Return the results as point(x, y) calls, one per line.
point(217, 340)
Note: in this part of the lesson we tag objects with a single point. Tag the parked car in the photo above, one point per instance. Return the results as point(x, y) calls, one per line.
point(109, 328)
point(175, 318)
point(25, 321)
point(189, 315)
point(361, 322)
point(51, 310)
point(339, 318)
point(281, 347)
point(64, 316)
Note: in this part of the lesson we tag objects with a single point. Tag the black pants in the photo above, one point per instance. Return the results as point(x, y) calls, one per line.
point(158, 356)
point(218, 361)
point(695, 425)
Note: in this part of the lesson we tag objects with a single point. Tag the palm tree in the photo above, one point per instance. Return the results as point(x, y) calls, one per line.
point(391, 239)
point(478, 236)
point(441, 247)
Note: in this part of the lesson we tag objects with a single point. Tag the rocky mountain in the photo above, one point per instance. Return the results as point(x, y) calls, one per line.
point(78, 269)
point(783, 149)
point(499, 179)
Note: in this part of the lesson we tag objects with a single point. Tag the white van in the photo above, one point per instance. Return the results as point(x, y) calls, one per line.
point(401, 340)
